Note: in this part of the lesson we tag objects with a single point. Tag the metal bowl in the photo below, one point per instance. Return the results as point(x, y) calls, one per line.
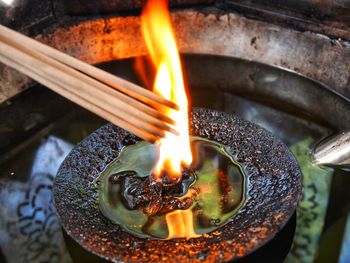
point(273, 191)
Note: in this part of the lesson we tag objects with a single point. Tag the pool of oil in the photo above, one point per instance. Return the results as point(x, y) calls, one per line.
point(214, 191)
point(39, 125)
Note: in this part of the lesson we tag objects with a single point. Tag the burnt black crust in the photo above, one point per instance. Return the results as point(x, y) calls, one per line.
point(274, 189)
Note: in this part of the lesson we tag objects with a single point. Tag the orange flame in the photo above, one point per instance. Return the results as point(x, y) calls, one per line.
point(169, 83)
point(180, 224)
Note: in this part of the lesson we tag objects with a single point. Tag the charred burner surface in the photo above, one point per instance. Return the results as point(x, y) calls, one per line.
point(274, 187)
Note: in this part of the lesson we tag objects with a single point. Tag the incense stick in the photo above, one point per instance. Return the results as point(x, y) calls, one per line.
point(88, 86)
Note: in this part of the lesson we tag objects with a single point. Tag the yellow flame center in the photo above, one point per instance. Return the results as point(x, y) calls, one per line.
point(169, 83)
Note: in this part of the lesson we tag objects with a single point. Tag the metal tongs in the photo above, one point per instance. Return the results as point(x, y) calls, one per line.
point(333, 151)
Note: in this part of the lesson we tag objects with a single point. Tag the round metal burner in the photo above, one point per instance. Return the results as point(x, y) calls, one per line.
point(274, 189)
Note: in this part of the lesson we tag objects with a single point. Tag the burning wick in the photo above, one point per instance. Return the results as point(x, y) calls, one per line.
point(157, 31)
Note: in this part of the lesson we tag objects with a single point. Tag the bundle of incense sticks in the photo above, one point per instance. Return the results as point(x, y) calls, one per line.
point(117, 100)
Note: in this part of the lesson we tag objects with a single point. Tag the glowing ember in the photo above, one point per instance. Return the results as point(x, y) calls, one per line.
point(169, 83)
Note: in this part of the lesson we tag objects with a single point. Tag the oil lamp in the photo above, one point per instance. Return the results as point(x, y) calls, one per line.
point(221, 192)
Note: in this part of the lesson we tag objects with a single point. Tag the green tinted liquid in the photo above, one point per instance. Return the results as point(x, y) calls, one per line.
point(218, 180)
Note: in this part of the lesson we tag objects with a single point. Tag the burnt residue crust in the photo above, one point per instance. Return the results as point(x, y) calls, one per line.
point(274, 189)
